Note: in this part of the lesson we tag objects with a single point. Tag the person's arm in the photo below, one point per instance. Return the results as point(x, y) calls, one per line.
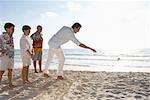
point(75, 40)
point(32, 36)
point(2, 49)
point(1, 45)
point(30, 53)
point(84, 46)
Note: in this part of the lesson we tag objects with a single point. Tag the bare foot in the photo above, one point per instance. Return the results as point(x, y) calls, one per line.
point(46, 76)
point(11, 85)
point(60, 78)
point(24, 82)
point(28, 82)
point(35, 72)
point(40, 71)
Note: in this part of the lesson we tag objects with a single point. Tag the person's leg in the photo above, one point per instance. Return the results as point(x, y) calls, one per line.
point(34, 60)
point(3, 66)
point(49, 58)
point(10, 70)
point(27, 74)
point(23, 74)
point(60, 55)
point(10, 77)
point(40, 65)
point(34, 63)
point(40, 60)
point(1, 75)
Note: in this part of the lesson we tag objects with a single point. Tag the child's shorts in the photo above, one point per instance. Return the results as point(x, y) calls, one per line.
point(26, 61)
point(6, 63)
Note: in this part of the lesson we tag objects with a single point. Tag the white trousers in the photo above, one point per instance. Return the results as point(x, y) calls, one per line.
point(59, 54)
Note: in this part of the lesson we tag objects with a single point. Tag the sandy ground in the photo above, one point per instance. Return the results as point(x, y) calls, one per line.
point(79, 85)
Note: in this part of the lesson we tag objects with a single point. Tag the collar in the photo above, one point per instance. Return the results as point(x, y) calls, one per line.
point(72, 30)
point(25, 36)
point(7, 35)
point(37, 33)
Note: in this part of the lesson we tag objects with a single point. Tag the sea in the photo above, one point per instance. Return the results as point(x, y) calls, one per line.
point(103, 60)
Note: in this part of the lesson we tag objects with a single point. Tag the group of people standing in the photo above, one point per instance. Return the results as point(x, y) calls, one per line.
point(31, 48)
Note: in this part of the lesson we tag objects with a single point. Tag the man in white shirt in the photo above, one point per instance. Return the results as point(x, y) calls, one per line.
point(62, 36)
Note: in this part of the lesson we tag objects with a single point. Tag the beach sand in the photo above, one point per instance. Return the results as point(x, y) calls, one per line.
point(79, 85)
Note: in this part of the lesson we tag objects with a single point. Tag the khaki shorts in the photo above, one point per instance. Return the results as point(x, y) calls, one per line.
point(6, 63)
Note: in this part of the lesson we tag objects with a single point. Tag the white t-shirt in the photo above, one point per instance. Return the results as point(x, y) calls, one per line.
point(62, 36)
point(25, 44)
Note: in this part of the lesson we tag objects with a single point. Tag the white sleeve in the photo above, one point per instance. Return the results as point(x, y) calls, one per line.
point(23, 45)
point(30, 43)
point(75, 40)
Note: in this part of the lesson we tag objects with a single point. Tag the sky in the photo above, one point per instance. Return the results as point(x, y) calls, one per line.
point(106, 24)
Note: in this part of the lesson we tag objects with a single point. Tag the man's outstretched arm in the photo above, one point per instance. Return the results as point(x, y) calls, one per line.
point(84, 46)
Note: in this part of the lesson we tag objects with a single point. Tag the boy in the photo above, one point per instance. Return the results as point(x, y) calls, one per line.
point(7, 52)
point(37, 47)
point(26, 54)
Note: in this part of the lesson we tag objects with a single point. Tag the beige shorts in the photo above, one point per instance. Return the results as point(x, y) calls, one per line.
point(6, 63)
point(26, 62)
point(26, 59)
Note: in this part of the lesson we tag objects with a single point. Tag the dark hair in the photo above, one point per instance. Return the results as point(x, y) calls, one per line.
point(8, 25)
point(76, 25)
point(25, 27)
point(39, 26)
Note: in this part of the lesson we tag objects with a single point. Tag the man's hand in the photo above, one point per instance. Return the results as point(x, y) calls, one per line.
point(32, 51)
point(3, 51)
point(84, 46)
point(31, 56)
point(93, 50)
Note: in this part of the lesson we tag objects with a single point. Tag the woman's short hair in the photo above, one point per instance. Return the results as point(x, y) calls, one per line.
point(76, 25)
point(8, 25)
point(39, 26)
point(26, 27)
